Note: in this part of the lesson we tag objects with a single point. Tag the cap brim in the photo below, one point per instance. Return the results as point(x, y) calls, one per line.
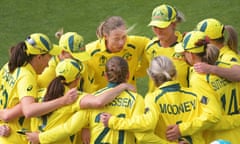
point(160, 24)
point(179, 48)
point(56, 50)
point(81, 56)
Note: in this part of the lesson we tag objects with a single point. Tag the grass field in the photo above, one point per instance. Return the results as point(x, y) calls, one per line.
point(18, 18)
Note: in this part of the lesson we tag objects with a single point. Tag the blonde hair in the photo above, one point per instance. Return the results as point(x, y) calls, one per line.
point(108, 25)
point(180, 16)
point(161, 70)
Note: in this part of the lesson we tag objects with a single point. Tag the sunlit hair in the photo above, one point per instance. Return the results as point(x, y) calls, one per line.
point(232, 40)
point(180, 16)
point(117, 69)
point(161, 70)
point(18, 56)
point(109, 25)
point(211, 52)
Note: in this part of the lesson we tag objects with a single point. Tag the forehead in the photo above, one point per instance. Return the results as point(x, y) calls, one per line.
point(118, 31)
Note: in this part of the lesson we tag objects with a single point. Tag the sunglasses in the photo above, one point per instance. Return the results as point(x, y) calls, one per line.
point(33, 43)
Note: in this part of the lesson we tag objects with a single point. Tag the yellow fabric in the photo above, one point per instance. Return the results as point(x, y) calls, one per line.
point(132, 52)
point(14, 86)
point(163, 16)
point(38, 43)
point(56, 119)
point(228, 96)
point(155, 49)
point(69, 69)
point(189, 42)
point(127, 104)
point(58, 134)
point(169, 104)
point(73, 43)
point(211, 27)
point(228, 56)
point(49, 73)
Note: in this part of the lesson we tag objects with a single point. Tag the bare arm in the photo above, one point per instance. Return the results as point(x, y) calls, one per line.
point(91, 101)
point(7, 115)
point(31, 108)
point(231, 74)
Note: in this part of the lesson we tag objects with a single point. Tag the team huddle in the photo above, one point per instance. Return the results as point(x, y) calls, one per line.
point(77, 93)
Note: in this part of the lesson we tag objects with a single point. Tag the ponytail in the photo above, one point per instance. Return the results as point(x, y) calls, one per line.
point(18, 56)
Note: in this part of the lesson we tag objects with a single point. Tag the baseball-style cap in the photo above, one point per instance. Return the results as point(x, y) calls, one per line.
point(39, 43)
point(163, 16)
point(69, 69)
point(73, 43)
point(211, 27)
point(189, 42)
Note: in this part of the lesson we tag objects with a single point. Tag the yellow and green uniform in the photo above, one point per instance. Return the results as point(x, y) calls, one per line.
point(49, 74)
point(228, 56)
point(228, 97)
point(171, 104)
point(154, 49)
point(127, 104)
point(14, 86)
point(56, 118)
point(132, 52)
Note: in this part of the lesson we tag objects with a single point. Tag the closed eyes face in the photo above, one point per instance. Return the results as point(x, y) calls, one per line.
point(116, 39)
point(164, 34)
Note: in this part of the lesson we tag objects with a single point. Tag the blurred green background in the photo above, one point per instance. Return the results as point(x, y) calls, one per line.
point(19, 18)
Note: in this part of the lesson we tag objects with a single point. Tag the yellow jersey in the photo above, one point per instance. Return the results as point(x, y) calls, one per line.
point(49, 74)
point(132, 52)
point(154, 49)
point(14, 86)
point(171, 104)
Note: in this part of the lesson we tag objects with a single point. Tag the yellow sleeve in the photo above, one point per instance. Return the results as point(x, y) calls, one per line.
point(27, 86)
point(137, 123)
point(70, 127)
point(143, 61)
point(227, 122)
point(210, 114)
point(150, 138)
point(48, 74)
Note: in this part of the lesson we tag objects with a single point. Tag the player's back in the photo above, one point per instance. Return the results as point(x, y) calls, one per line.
point(176, 105)
point(125, 105)
point(229, 98)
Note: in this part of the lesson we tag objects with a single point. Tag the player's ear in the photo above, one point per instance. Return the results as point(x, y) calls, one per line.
point(105, 75)
point(127, 77)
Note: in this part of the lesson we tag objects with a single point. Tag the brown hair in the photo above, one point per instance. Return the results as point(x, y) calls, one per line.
point(108, 25)
point(55, 90)
point(18, 56)
point(211, 52)
point(117, 69)
point(232, 40)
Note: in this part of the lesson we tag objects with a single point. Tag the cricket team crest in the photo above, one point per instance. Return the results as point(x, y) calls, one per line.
point(102, 60)
point(127, 56)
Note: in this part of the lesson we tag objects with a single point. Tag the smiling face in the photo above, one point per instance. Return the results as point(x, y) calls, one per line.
point(116, 39)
